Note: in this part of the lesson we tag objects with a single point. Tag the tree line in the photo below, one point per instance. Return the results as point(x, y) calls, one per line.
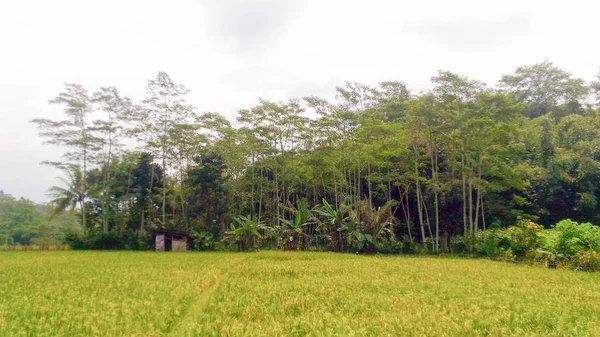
point(377, 164)
point(23, 222)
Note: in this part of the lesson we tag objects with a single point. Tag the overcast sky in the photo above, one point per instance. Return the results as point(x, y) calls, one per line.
point(230, 53)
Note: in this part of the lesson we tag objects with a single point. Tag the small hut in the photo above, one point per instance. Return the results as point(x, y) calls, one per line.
point(171, 241)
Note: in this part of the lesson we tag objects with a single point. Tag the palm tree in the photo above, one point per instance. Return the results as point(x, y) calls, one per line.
point(68, 197)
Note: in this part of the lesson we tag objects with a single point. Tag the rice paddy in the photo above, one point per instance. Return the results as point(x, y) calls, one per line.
point(78, 293)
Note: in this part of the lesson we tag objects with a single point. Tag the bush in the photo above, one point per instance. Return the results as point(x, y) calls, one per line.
point(389, 246)
point(523, 238)
point(570, 238)
point(588, 260)
point(319, 242)
point(44, 242)
point(75, 240)
point(515, 242)
point(204, 241)
point(111, 240)
point(567, 244)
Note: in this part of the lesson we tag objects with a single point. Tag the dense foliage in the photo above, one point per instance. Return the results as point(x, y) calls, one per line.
point(22, 222)
point(377, 169)
point(568, 244)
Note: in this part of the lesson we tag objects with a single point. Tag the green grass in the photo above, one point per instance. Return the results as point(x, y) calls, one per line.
point(75, 293)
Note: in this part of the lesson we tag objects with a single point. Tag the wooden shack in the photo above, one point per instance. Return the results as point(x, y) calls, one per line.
point(171, 241)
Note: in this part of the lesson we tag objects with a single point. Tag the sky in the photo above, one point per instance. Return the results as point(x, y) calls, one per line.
point(230, 53)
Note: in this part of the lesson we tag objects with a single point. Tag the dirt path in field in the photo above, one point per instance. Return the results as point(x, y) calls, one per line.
point(193, 307)
point(200, 301)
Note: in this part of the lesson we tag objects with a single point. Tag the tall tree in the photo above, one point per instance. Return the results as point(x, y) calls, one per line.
point(595, 88)
point(544, 87)
point(74, 132)
point(164, 108)
point(207, 194)
point(115, 107)
point(146, 182)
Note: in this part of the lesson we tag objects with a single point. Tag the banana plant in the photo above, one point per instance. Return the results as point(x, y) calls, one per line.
point(378, 222)
point(338, 223)
point(293, 229)
point(353, 233)
point(363, 241)
point(245, 231)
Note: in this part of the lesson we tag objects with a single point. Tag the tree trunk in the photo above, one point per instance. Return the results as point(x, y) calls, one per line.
point(464, 194)
point(83, 190)
point(164, 181)
point(358, 196)
point(418, 193)
point(435, 192)
point(252, 204)
point(408, 215)
point(471, 226)
point(276, 194)
point(428, 222)
point(83, 216)
point(335, 190)
point(152, 213)
point(482, 213)
point(260, 197)
point(369, 185)
point(389, 192)
point(107, 180)
point(478, 198)
point(183, 216)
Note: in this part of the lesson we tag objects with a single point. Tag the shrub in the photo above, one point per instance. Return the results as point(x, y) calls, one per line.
point(568, 237)
point(523, 238)
point(515, 242)
point(75, 240)
point(111, 240)
point(204, 241)
point(44, 242)
point(391, 246)
point(588, 260)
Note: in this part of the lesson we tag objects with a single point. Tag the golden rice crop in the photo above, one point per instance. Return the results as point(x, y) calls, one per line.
point(74, 293)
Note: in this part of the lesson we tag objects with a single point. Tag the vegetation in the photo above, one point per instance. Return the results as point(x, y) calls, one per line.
point(22, 223)
point(378, 169)
point(281, 294)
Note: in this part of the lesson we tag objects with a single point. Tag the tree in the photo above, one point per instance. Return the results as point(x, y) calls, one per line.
point(146, 183)
point(74, 133)
point(454, 95)
point(109, 132)
point(24, 222)
point(384, 163)
point(595, 88)
point(279, 125)
point(207, 200)
point(70, 195)
point(164, 108)
point(544, 87)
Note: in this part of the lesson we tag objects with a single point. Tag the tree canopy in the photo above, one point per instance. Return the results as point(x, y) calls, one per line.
point(377, 162)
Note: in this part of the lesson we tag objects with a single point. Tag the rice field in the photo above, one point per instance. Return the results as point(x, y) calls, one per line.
point(75, 293)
